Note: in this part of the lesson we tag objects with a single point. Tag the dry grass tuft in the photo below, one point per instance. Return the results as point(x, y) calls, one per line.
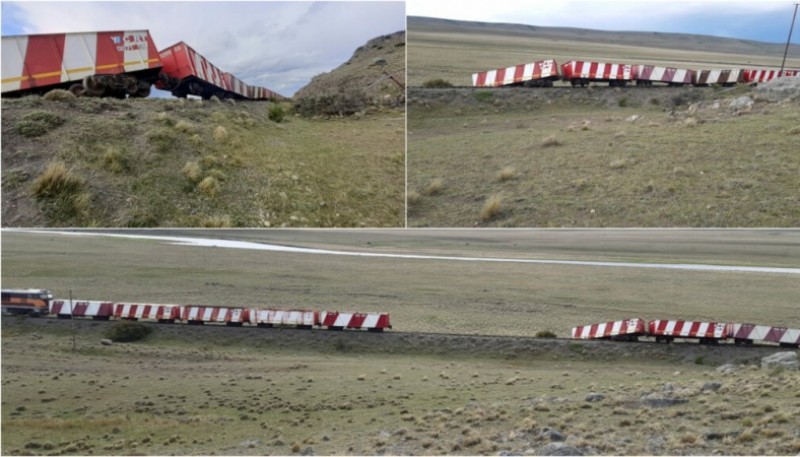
point(434, 187)
point(55, 181)
point(113, 160)
point(216, 222)
point(220, 134)
point(192, 171)
point(185, 127)
point(492, 207)
point(506, 173)
point(59, 95)
point(551, 141)
point(413, 197)
point(209, 186)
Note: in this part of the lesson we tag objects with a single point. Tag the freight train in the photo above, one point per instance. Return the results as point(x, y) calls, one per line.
point(40, 302)
point(544, 73)
point(115, 64)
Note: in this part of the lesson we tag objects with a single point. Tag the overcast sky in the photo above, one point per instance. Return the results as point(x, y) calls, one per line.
point(762, 20)
point(279, 45)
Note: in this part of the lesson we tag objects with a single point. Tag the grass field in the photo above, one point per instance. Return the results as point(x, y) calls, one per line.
point(248, 391)
point(445, 296)
point(144, 163)
point(634, 157)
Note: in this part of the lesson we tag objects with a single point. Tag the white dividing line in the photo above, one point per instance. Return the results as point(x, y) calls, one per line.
point(209, 242)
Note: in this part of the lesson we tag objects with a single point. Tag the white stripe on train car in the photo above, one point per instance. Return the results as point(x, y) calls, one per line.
point(371, 320)
point(490, 77)
point(136, 53)
point(343, 320)
point(13, 61)
point(80, 53)
point(791, 336)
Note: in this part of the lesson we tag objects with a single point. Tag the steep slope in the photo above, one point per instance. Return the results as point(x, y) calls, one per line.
point(378, 69)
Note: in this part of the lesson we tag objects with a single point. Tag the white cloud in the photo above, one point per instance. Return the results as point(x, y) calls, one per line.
point(280, 45)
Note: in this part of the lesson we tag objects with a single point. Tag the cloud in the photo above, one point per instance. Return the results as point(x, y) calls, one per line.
point(279, 45)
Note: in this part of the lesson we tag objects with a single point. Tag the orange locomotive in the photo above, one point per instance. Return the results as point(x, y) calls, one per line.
point(33, 302)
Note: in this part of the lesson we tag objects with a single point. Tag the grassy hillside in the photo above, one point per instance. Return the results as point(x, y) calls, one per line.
point(150, 162)
point(598, 158)
point(453, 50)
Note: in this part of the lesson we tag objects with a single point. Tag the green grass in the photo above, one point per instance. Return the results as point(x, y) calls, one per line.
point(148, 158)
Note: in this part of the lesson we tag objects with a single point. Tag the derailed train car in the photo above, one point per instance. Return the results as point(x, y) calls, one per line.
point(668, 330)
point(114, 64)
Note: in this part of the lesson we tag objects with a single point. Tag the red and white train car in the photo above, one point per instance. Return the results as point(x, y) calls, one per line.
point(626, 330)
point(749, 333)
point(281, 317)
point(579, 72)
point(539, 73)
point(97, 310)
point(337, 320)
point(648, 74)
point(706, 332)
point(199, 315)
point(145, 312)
point(118, 63)
point(720, 77)
point(761, 76)
point(189, 73)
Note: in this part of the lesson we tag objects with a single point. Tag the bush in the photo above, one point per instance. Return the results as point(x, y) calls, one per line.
point(276, 113)
point(37, 123)
point(492, 207)
point(437, 84)
point(483, 95)
point(59, 95)
point(344, 103)
point(545, 334)
point(55, 181)
point(127, 331)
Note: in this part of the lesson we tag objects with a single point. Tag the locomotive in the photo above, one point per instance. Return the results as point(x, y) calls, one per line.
point(115, 64)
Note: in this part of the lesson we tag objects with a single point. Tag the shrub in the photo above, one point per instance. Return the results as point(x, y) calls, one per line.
point(114, 161)
point(209, 186)
point(276, 113)
point(220, 133)
point(434, 187)
point(492, 207)
point(344, 103)
point(506, 173)
point(545, 334)
point(59, 95)
point(483, 95)
point(37, 123)
point(192, 171)
point(127, 331)
point(437, 84)
point(551, 141)
point(185, 127)
point(55, 181)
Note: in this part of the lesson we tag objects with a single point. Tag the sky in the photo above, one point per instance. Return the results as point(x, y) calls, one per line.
point(761, 20)
point(278, 45)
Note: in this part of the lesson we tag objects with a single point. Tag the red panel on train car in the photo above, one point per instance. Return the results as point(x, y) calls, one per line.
point(43, 58)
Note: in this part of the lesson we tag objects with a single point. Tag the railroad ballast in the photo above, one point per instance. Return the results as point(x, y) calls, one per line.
point(581, 73)
point(114, 64)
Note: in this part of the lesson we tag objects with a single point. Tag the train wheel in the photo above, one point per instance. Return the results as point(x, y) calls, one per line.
point(77, 89)
point(94, 86)
point(143, 90)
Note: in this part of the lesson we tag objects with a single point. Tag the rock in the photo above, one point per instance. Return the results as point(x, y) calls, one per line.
point(308, 451)
point(742, 102)
point(785, 88)
point(711, 385)
point(559, 449)
point(106, 342)
point(633, 118)
point(250, 443)
point(595, 397)
point(552, 435)
point(658, 401)
point(787, 360)
point(727, 368)
point(36, 336)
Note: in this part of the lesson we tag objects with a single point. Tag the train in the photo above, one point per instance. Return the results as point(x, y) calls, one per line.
point(119, 64)
point(544, 73)
point(666, 330)
point(40, 302)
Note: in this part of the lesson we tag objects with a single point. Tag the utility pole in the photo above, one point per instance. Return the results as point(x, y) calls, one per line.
point(791, 28)
point(72, 321)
